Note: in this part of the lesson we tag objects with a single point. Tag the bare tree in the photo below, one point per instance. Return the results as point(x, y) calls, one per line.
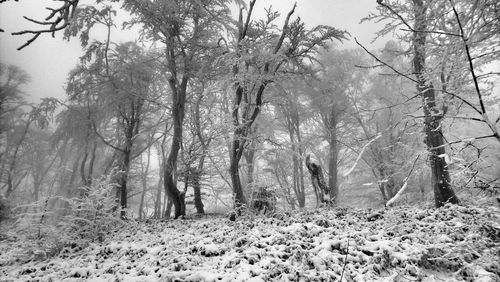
point(188, 31)
point(292, 44)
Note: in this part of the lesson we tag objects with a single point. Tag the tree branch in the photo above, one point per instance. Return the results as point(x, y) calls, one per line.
point(405, 184)
point(384, 63)
point(57, 20)
point(474, 76)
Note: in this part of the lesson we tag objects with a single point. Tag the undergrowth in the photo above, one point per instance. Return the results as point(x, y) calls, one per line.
point(53, 225)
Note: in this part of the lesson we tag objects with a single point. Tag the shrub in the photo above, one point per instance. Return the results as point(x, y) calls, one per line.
point(92, 216)
point(82, 221)
point(263, 199)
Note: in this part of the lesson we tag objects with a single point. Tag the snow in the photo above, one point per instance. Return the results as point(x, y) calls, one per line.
point(452, 243)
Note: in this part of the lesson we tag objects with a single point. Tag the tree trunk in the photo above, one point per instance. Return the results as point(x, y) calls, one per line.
point(298, 177)
point(11, 185)
point(301, 198)
point(170, 186)
point(168, 207)
point(440, 176)
point(91, 165)
point(381, 186)
point(158, 210)
point(178, 97)
point(293, 124)
point(122, 182)
point(83, 176)
point(157, 213)
point(198, 203)
point(144, 181)
point(295, 174)
point(236, 151)
point(141, 203)
point(249, 159)
point(332, 164)
point(239, 197)
point(330, 120)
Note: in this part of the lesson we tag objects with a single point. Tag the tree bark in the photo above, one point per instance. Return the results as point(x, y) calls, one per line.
point(291, 114)
point(440, 176)
point(157, 213)
point(249, 159)
point(332, 164)
point(178, 102)
point(124, 168)
point(239, 197)
point(167, 207)
point(201, 162)
point(330, 120)
point(198, 203)
point(158, 207)
point(144, 182)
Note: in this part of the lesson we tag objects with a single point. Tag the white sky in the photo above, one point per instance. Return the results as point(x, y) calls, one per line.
point(48, 60)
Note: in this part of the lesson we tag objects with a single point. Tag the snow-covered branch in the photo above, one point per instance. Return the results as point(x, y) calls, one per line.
point(361, 154)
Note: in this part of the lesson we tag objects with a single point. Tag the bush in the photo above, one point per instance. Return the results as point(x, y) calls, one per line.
point(83, 220)
point(263, 199)
point(91, 217)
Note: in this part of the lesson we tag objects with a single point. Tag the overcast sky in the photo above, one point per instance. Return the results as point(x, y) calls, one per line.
point(48, 59)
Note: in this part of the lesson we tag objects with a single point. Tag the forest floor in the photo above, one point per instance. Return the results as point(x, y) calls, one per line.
point(452, 243)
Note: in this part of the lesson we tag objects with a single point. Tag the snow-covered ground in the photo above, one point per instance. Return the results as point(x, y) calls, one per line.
point(453, 243)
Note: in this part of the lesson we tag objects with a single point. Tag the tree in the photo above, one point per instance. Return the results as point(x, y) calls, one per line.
point(337, 79)
point(382, 111)
point(11, 79)
point(436, 32)
point(188, 30)
point(260, 51)
point(74, 126)
point(433, 115)
point(12, 173)
point(12, 133)
point(202, 131)
point(288, 104)
point(115, 89)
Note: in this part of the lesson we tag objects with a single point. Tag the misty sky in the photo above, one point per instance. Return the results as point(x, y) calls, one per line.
point(48, 59)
